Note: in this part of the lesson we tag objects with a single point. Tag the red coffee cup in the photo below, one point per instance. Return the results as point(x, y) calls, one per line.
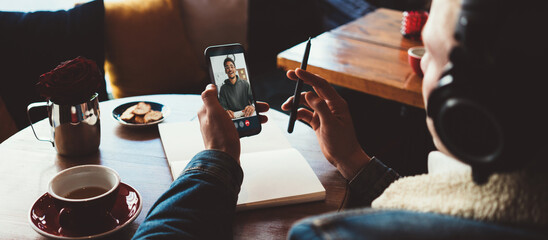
point(414, 56)
point(84, 196)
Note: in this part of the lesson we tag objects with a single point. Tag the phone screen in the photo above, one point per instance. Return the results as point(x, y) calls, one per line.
point(228, 71)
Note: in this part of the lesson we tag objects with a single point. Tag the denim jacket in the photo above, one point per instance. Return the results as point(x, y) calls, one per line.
point(201, 203)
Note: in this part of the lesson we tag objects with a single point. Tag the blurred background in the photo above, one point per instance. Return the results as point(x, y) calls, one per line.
point(156, 46)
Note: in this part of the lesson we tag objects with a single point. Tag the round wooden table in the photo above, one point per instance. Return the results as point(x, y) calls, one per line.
point(137, 154)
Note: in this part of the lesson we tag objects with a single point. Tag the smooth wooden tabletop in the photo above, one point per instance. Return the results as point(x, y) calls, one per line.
point(137, 154)
point(367, 55)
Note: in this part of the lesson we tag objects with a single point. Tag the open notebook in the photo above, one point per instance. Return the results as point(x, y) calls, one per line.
point(274, 173)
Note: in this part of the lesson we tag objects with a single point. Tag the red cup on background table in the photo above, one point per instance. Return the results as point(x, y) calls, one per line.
point(414, 56)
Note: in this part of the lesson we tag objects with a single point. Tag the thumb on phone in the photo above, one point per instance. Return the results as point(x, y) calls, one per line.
point(209, 95)
point(218, 131)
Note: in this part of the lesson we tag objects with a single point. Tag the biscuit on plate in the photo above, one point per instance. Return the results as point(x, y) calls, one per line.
point(142, 108)
point(128, 114)
point(153, 116)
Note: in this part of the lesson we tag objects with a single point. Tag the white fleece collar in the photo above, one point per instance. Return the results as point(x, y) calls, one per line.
point(511, 198)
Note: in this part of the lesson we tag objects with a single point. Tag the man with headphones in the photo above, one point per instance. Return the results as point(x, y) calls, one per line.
point(484, 72)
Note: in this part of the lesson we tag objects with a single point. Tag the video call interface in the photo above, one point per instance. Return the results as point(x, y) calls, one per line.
point(234, 87)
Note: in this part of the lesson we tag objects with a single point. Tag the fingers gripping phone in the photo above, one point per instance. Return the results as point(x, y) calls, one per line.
point(228, 71)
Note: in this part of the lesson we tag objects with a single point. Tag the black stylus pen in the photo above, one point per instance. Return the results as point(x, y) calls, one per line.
point(298, 89)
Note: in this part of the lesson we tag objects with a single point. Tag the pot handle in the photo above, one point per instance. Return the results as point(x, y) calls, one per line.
point(34, 105)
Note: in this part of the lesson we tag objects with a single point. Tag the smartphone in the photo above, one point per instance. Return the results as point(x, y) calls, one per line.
point(228, 71)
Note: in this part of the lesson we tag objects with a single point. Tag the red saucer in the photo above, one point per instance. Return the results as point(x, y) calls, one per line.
point(44, 216)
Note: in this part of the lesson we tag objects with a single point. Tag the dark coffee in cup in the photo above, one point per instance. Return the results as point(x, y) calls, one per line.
point(86, 192)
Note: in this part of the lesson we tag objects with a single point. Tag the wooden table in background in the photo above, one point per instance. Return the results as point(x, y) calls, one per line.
point(137, 154)
point(367, 55)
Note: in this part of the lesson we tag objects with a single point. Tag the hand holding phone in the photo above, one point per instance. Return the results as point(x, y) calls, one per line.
point(228, 71)
point(217, 130)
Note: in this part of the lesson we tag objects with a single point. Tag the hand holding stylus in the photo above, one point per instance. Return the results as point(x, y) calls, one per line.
point(330, 118)
point(298, 89)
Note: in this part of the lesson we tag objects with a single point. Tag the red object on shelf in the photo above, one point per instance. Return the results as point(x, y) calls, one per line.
point(412, 24)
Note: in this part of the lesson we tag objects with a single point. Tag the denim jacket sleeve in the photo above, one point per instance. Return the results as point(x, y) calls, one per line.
point(199, 204)
point(369, 183)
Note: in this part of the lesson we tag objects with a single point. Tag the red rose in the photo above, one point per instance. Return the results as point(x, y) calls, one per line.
point(72, 82)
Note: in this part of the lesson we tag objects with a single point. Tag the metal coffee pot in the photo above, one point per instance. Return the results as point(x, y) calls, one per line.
point(75, 129)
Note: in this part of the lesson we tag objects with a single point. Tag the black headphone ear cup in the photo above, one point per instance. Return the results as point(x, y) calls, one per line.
point(473, 134)
point(469, 130)
point(465, 124)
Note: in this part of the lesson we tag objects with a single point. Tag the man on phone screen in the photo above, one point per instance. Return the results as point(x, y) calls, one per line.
point(235, 95)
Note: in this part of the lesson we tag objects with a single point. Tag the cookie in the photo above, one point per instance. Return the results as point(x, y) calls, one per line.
point(128, 114)
point(153, 116)
point(142, 108)
point(140, 119)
